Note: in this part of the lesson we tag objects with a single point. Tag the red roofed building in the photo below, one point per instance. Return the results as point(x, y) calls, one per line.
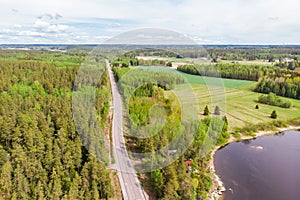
point(188, 163)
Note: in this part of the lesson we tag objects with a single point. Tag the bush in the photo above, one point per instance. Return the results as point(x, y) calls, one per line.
point(236, 135)
point(272, 99)
point(217, 110)
point(274, 115)
point(206, 111)
point(295, 122)
point(279, 123)
point(169, 64)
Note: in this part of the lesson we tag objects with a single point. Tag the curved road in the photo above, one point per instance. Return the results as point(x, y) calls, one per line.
point(130, 184)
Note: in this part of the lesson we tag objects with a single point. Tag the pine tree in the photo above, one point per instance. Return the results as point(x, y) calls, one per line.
point(206, 111)
point(74, 192)
point(274, 115)
point(225, 127)
point(217, 110)
point(5, 180)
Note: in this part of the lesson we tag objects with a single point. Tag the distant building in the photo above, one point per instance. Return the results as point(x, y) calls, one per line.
point(288, 60)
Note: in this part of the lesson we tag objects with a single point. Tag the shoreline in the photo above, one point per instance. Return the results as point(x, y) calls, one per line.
point(218, 187)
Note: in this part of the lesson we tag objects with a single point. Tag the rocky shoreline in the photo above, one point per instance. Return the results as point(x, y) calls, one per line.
point(218, 187)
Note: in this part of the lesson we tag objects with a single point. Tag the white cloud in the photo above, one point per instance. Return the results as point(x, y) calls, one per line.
point(57, 28)
point(104, 37)
point(48, 16)
point(57, 16)
point(233, 21)
point(82, 37)
point(17, 26)
point(31, 33)
point(50, 28)
point(41, 24)
point(113, 25)
point(199, 40)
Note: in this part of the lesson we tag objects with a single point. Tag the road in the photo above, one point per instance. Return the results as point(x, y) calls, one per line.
point(130, 184)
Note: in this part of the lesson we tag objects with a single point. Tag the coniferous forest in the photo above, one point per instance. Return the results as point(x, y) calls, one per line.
point(41, 154)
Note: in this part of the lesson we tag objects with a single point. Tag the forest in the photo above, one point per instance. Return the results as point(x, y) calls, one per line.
point(252, 53)
point(235, 71)
point(130, 60)
point(42, 156)
point(282, 86)
point(134, 78)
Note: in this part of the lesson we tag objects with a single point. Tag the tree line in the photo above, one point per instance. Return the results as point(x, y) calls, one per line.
point(234, 71)
point(239, 53)
point(282, 86)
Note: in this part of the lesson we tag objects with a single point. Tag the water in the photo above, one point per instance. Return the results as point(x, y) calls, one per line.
point(267, 168)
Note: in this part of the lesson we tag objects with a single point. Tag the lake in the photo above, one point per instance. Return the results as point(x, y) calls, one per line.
point(261, 169)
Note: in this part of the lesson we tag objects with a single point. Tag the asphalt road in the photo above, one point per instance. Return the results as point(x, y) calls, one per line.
point(130, 184)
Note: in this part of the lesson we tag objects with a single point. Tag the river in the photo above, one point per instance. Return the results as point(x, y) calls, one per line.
point(267, 168)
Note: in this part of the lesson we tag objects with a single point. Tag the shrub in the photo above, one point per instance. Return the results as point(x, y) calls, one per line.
point(274, 115)
point(272, 99)
point(217, 110)
point(206, 111)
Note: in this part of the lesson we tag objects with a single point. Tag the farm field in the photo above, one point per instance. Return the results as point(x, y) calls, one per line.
point(173, 59)
point(198, 80)
point(240, 100)
point(240, 106)
point(247, 62)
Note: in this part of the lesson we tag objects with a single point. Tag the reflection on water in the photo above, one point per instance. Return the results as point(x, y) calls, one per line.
point(261, 169)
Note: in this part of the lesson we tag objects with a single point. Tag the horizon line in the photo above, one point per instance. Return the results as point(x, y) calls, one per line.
point(103, 44)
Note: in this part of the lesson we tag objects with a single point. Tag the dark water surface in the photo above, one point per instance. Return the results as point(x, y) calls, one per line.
point(271, 173)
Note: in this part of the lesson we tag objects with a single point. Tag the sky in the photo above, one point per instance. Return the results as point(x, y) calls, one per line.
point(95, 21)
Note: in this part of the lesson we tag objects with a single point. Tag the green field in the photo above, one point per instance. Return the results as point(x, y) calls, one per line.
point(240, 106)
point(240, 100)
point(228, 83)
point(198, 80)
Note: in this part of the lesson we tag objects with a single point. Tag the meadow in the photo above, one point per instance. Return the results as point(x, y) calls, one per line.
point(251, 62)
point(240, 100)
point(240, 106)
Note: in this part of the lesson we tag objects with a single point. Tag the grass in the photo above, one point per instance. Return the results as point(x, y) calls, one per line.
point(236, 99)
point(200, 61)
point(198, 80)
point(240, 106)
point(228, 83)
point(173, 59)
point(247, 62)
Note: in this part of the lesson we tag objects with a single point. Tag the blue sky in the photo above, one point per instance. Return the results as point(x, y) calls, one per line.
point(206, 22)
